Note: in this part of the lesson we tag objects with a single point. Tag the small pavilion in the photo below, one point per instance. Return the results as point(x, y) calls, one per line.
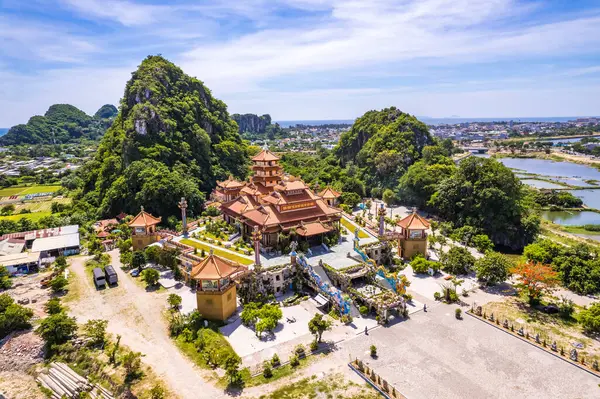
point(216, 293)
point(330, 196)
point(413, 239)
point(143, 230)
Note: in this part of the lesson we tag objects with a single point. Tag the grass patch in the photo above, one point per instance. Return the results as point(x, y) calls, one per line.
point(351, 227)
point(31, 216)
point(7, 192)
point(332, 386)
point(217, 251)
point(189, 350)
point(40, 206)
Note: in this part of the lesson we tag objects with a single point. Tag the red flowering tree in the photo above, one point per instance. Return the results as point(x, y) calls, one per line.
point(535, 279)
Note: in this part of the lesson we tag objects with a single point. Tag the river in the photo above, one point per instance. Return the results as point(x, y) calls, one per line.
point(566, 172)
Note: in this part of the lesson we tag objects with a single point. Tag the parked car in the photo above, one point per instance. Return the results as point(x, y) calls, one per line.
point(134, 272)
point(99, 278)
point(111, 275)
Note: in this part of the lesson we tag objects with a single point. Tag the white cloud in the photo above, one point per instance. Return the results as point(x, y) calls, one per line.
point(127, 13)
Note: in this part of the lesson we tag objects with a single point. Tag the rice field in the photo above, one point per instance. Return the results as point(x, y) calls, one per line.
point(7, 192)
point(40, 206)
point(31, 216)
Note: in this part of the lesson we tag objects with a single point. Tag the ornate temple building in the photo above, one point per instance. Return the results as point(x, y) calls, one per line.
point(413, 235)
point(216, 286)
point(143, 230)
point(276, 203)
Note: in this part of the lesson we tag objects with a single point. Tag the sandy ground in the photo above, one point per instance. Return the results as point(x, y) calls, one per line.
point(137, 316)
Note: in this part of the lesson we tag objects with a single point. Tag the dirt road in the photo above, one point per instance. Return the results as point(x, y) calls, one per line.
point(136, 315)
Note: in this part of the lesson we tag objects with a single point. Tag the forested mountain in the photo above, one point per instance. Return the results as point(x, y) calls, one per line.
point(106, 111)
point(62, 123)
point(384, 144)
point(252, 123)
point(254, 127)
point(171, 139)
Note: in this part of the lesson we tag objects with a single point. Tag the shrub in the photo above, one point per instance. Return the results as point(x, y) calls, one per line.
point(294, 361)
point(299, 350)
point(407, 297)
point(457, 260)
point(13, 316)
point(275, 360)
point(566, 307)
point(437, 296)
point(314, 345)
point(373, 349)
point(590, 318)
point(458, 313)
point(420, 265)
point(363, 310)
point(267, 370)
point(53, 306)
point(58, 283)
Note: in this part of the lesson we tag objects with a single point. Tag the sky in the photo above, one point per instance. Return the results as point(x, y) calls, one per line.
point(310, 59)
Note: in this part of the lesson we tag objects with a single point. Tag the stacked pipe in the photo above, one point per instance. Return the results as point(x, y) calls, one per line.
point(64, 382)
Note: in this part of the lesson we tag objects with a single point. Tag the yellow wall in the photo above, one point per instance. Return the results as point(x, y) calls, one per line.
point(217, 305)
point(141, 241)
point(413, 247)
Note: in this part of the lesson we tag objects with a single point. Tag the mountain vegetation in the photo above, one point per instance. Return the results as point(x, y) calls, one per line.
point(254, 127)
point(106, 111)
point(170, 139)
point(62, 123)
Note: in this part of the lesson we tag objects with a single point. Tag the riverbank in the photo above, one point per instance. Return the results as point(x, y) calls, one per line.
point(530, 138)
point(556, 156)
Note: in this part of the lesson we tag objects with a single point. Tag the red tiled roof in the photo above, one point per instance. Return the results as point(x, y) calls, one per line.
point(414, 222)
point(214, 267)
point(230, 183)
point(329, 193)
point(144, 219)
point(265, 155)
point(312, 229)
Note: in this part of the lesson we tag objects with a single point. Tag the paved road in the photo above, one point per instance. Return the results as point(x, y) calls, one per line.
point(136, 315)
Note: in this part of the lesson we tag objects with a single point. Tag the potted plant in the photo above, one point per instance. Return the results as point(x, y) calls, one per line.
point(373, 351)
point(458, 313)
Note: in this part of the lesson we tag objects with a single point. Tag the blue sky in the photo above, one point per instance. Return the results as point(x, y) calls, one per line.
point(310, 59)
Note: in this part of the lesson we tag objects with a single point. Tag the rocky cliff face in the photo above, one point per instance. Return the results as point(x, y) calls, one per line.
point(252, 123)
point(171, 139)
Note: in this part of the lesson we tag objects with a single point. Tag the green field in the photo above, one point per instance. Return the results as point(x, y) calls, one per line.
point(351, 227)
point(7, 192)
point(40, 206)
point(219, 252)
point(31, 216)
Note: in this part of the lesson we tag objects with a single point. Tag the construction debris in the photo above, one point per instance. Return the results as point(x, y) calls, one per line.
point(21, 350)
point(66, 383)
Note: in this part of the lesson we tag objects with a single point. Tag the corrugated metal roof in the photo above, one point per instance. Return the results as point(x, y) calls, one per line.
point(52, 243)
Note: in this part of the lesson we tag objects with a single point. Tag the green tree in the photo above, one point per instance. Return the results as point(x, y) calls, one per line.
point(7, 210)
point(152, 254)
point(58, 283)
point(5, 281)
point(482, 243)
point(138, 260)
point(174, 301)
point(457, 260)
point(318, 325)
point(389, 197)
point(13, 317)
point(590, 318)
point(132, 363)
point(493, 268)
point(485, 194)
point(53, 306)
point(150, 276)
point(95, 330)
point(232, 369)
point(57, 329)
point(60, 263)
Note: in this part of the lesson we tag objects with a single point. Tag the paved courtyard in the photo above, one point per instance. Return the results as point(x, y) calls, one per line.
point(433, 355)
point(245, 342)
point(335, 256)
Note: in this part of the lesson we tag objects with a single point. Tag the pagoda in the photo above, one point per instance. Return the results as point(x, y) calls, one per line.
point(276, 203)
point(413, 235)
point(216, 295)
point(143, 230)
